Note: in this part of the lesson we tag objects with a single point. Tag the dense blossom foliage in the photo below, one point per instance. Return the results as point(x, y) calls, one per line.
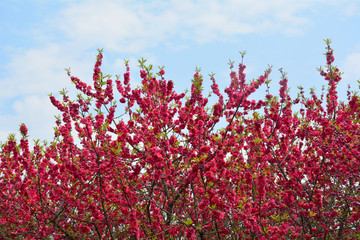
point(167, 171)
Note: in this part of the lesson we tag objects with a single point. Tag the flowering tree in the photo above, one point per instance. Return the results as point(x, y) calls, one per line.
point(168, 172)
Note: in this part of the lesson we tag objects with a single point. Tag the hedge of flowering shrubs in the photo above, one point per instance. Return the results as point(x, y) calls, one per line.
point(154, 164)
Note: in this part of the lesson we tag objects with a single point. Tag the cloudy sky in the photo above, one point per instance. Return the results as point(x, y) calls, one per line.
point(39, 38)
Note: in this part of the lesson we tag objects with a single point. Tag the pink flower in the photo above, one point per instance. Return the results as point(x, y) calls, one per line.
point(143, 74)
point(204, 149)
point(23, 130)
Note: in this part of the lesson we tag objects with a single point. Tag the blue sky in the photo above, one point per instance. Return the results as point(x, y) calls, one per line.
point(39, 38)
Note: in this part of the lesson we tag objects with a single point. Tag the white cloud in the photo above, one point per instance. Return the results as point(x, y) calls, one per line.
point(128, 26)
point(350, 9)
point(117, 26)
point(41, 70)
point(27, 68)
point(36, 112)
point(351, 68)
point(32, 75)
point(36, 70)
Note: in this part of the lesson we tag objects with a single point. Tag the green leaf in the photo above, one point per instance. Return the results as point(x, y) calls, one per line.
point(188, 222)
point(276, 218)
point(258, 140)
point(11, 137)
point(242, 53)
point(312, 214)
point(212, 207)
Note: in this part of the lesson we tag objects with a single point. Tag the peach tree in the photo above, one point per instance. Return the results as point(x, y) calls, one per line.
point(173, 166)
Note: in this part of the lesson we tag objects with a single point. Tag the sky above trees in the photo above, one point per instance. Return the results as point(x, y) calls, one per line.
point(39, 39)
